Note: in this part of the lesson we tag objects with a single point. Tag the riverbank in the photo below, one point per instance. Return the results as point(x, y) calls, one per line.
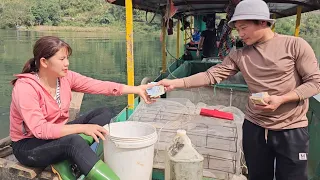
point(110, 29)
point(74, 29)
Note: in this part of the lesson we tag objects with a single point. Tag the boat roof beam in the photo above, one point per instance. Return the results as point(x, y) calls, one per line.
point(282, 8)
point(301, 3)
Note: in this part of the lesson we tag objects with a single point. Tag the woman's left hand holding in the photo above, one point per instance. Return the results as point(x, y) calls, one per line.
point(142, 92)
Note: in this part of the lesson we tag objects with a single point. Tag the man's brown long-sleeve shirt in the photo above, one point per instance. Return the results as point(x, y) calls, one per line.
point(277, 66)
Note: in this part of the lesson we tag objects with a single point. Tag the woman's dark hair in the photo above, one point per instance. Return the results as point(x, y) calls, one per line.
point(45, 47)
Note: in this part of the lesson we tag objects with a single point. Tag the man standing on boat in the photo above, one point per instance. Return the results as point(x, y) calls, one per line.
point(208, 40)
point(286, 68)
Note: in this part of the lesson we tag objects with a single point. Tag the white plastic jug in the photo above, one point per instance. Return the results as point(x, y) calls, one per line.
point(129, 149)
point(182, 160)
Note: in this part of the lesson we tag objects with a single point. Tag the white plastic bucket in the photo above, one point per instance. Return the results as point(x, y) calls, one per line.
point(129, 149)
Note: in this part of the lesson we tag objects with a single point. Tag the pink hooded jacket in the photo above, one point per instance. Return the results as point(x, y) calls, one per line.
point(35, 113)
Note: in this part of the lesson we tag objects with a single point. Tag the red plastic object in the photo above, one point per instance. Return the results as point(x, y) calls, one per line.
point(216, 113)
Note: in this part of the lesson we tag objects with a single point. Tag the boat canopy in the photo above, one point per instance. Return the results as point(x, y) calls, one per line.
point(278, 8)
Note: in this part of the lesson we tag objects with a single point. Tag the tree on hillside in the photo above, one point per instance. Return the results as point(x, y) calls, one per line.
point(47, 12)
point(85, 13)
point(15, 13)
point(310, 25)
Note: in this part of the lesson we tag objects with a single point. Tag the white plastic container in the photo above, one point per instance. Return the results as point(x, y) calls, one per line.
point(129, 149)
point(182, 160)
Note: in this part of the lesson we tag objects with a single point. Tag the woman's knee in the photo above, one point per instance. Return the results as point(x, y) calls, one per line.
point(102, 116)
point(73, 140)
point(106, 111)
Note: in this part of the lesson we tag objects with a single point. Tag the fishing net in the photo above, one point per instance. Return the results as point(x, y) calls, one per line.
point(218, 140)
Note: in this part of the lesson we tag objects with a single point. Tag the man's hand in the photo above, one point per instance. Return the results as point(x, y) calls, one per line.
point(198, 53)
point(273, 103)
point(167, 83)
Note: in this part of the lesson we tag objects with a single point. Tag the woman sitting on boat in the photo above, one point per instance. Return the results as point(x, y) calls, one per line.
point(39, 111)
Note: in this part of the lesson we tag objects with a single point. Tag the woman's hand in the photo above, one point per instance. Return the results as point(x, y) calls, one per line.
point(142, 92)
point(94, 131)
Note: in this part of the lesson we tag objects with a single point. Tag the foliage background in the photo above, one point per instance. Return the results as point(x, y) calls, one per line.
point(98, 13)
